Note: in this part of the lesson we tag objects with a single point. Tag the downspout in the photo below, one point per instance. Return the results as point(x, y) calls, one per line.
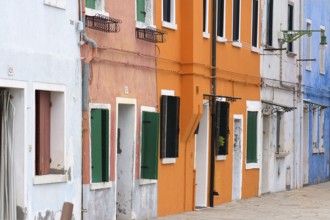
point(85, 104)
point(213, 92)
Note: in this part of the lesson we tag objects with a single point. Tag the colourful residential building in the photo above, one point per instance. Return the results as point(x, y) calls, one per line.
point(208, 82)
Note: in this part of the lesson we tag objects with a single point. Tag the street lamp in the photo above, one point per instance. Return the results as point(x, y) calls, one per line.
point(292, 35)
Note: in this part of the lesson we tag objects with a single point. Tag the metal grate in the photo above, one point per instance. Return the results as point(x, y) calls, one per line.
point(103, 23)
point(151, 34)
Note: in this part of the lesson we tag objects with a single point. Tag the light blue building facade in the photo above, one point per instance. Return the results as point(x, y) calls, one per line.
point(316, 92)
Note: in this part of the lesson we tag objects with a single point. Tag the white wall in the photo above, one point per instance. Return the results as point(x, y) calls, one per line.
point(41, 46)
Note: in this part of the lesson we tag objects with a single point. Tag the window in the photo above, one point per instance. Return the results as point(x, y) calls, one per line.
point(222, 127)
point(269, 33)
point(99, 122)
point(221, 18)
point(255, 7)
point(169, 14)
point(49, 132)
point(321, 129)
point(236, 20)
point(315, 125)
point(170, 113)
point(251, 154)
point(308, 46)
point(144, 12)
point(322, 55)
point(149, 145)
point(278, 131)
point(206, 18)
point(95, 7)
point(290, 25)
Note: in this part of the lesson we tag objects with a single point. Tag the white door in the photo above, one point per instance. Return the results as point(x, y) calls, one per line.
point(237, 158)
point(201, 159)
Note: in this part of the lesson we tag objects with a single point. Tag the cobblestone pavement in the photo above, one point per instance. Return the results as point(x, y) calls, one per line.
point(308, 203)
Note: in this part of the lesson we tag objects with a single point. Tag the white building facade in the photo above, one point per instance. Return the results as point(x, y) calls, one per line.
point(40, 87)
point(282, 165)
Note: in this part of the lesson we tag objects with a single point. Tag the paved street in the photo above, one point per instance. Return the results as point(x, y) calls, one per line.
point(308, 203)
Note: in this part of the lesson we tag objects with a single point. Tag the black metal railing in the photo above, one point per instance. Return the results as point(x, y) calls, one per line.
point(103, 23)
point(151, 34)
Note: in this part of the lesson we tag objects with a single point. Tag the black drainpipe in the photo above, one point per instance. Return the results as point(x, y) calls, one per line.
point(213, 92)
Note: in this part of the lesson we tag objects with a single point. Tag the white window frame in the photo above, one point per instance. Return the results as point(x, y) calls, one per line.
point(321, 131)
point(168, 160)
point(222, 39)
point(170, 25)
point(56, 3)
point(238, 42)
point(293, 26)
point(253, 48)
point(206, 33)
point(52, 178)
point(99, 9)
point(149, 19)
point(322, 55)
point(254, 106)
point(101, 185)
point(308, 46)
point(315, 126)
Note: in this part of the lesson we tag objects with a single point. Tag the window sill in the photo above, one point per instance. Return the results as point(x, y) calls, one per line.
point(282, 154)
point(322, 73)
point(147, 182)
point(221, 39)
point(93, 12)
point(291, 54)
point(309, 68)
point(255, 49)
point(103, 185)
point(50, 178)
point(140, 24)
point(168, 160)
point(250, 166)
point(206, 35)
point(315, 150)
point(55, 3)
point(221, 157)
point(237, 44)
point(169, 25)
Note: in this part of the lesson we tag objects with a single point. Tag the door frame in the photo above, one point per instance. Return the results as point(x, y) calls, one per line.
point(241, 118)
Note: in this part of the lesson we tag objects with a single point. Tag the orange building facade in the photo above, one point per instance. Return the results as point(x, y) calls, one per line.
point(186, 66)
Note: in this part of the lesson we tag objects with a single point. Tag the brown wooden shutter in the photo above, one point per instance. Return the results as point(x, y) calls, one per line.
point(43, 105)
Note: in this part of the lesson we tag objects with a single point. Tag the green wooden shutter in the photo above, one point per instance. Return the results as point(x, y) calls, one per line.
point(100, 145)
point(251, 154)
point(149, 148)
point(140, 10)
point(90, 4)
point(222, 127)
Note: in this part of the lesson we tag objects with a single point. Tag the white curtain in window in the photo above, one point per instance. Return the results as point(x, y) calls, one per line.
point(7, 171)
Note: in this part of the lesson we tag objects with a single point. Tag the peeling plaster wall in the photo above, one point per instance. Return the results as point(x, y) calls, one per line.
point(283, 173)
point(317, 87)
point(40, 46)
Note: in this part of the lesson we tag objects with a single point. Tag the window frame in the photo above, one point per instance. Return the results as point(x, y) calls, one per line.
point(221, 38)
point(168, 160)
point(99, 8)
point(269, 23)
point(308, 46)
point(254, 106)
point(206, 33)
point(53, 177)
point(255, 34)
point(315, 127)
point(151, 110)
point(105, 184)
point(172, 23)
point(321, 129)
point(239, 21)
point(322, 55)
point(149, 17)
point(56, 3)
point(290, 25)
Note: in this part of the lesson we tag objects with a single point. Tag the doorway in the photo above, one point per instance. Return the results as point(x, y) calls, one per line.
point(126, 121)
point(237, 157)
point(201, 159)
